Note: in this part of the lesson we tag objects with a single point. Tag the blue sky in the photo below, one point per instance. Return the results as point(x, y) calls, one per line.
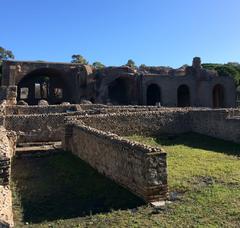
point(153, 32)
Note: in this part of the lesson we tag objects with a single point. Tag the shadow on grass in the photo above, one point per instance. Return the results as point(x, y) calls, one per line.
point(61, 187)
point(199, 141)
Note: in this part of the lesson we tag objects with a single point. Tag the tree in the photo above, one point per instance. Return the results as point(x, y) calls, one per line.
point(142, 66)
point(131, 63)
point(4, 55)
point(79, 59)
point(229, 70)
point(98, 65)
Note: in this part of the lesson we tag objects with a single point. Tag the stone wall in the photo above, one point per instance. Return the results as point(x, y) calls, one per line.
point(35, 109)
point(2, 112)
point(38, 128)
point(223, 123)
point(29, 110)
point(141, 169)
point(149, 123)
point(7, 150)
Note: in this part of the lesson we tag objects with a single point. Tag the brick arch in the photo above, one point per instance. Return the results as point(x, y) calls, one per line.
point(183, 96)
point(218, 96)
point(120, 91)
point(153, 94)
point(53, 86)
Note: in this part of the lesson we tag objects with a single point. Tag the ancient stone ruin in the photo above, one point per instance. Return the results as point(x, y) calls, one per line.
point(66, 82)
point(96, 132)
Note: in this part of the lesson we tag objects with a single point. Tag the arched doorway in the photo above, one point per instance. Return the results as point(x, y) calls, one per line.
point(183, 96)
point(218, 96)
point(44, 83)
point(153, 94)
point(120, 90)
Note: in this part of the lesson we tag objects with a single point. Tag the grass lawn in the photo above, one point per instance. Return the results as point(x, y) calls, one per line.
point(62, 191)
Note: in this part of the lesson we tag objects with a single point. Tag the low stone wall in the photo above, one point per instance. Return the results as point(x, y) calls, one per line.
point(35, 109)
point(148, 123)
point(126, 109)
point(38, 128)
point(2, 112)
point(141, 169)
point(30, 110)
point(7, 150)
point(223, 123)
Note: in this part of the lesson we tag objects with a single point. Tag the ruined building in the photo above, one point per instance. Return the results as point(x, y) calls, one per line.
point(67, 82)
point(97, 133)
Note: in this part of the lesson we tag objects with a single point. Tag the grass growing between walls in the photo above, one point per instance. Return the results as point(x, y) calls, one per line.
point(204, 180)
point(62, 191)
point(54, 190)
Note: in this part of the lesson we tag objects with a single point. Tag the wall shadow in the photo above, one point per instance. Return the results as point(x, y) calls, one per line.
point(201, 142)
point(61, 187)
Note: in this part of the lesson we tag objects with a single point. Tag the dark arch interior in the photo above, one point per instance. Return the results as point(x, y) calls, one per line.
point(46, 84)
point(218, 96)
point(119, 91)
point(153, 94)
point(183, 95)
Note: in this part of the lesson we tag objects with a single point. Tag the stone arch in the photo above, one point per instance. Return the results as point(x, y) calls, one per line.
point(218, 96)
point(183, 96)
point(44, 83)
point(120, 91)
point(153, 94)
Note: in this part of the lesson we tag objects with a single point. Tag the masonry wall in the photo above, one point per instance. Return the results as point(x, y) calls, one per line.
point(29, 110)
point(35, 109)
point(169, 121)
point(141, 169)
point(223, 124)
point(46, 123)
point(38, 128)
point(7, 150)
point(130, 108)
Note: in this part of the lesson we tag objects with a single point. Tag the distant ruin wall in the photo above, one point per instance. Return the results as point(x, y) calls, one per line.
point(141, 169)
point(140, 123)
point(223, 124)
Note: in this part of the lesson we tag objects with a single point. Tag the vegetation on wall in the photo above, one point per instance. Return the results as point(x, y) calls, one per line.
point(231, 69)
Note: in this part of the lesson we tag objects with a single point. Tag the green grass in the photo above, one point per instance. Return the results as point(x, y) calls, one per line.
point(48, 190)
point(62, 191)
